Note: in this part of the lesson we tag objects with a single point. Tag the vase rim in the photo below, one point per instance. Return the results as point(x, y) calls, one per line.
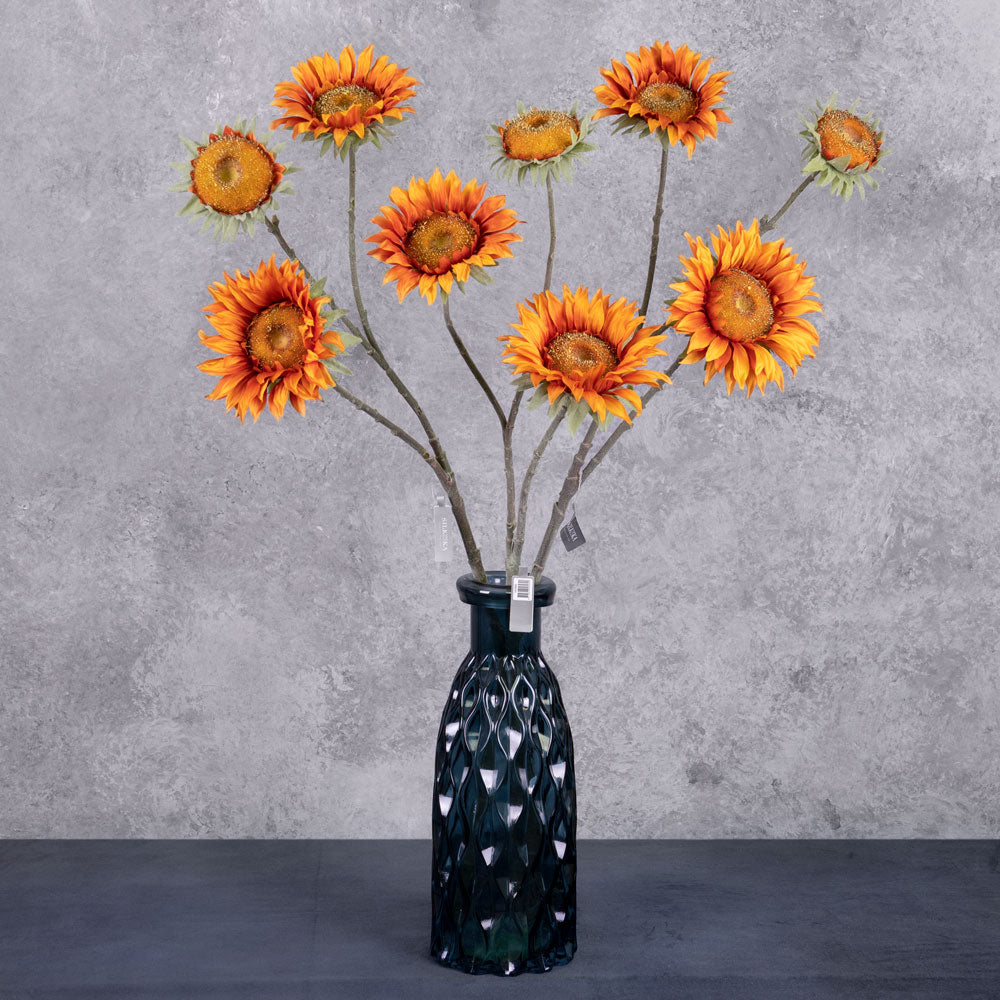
point(496, 593)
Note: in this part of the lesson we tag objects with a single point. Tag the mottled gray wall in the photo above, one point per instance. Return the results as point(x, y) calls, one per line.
point(785, 620)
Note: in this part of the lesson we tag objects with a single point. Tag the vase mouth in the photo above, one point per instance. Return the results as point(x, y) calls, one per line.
point(495, 593)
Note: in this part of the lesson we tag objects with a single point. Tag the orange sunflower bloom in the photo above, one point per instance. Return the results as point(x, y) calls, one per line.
point(743, 304)
point(586, 348)
point(437, 232)
point(333, 99)
point(233, 179)
point(665, 91)
point(269, 331)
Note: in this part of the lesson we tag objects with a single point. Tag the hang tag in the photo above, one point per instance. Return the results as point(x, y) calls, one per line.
point(522, 604)
point(442, 532)
point(571, 534)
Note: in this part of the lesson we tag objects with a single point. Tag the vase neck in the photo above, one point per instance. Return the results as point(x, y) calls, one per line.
point(490, 634)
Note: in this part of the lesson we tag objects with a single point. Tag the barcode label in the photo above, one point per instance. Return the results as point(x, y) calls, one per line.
point(522, 604)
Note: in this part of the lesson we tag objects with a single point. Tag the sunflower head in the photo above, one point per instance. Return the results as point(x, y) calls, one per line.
point(233, 179)
point(437, 232)
point(270, 332)
point(583, 352)
point(345, 100)
point(742, 303)
point(539, 142)
point(664, 92)
point(842, 148)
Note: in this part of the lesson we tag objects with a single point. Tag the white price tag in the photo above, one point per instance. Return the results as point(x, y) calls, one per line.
point(522, 604)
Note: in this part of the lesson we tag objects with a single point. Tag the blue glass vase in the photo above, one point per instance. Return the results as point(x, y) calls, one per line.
point(504, 811)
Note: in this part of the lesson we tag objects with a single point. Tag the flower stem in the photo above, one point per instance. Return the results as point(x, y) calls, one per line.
point(623, 427)
point(769, 222)
point(514, 556)
point(654, 245)
point(446, 479)
point(275, 230)
point(569, 488)
point(508, 466)
point(508, 431)
point(440, 464)
point(467, 358)
point(352, 252)
point(552, 232)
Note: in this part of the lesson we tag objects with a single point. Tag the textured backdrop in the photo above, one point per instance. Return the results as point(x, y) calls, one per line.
point(785, 620)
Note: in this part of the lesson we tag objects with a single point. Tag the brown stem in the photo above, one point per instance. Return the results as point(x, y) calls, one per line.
point(552, 232)
point(508, 433)
point(352, 252)
point(655, 242)
point(508, 466)
point(275, 230)
point(769, 222)
point(514, 557)
point(570, 485)
point(447, 480)
point(623, 427)
point(467, 358)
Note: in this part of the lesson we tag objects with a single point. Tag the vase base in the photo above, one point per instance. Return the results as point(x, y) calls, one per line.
point(489, 967)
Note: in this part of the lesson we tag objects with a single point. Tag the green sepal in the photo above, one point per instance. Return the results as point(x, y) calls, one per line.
point(479, 273)
point(539, 397)
point(348, 339)
point(336, 366)
point(191, 206)
point(316, 287)
point(577, 411)
point(523, 382)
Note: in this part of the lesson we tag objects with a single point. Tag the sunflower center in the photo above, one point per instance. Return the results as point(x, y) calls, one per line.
point(671, 100)
point(577, 353)
point(343, 98)
point(739, 306)
point(274, 336)
point(842, 134)
point(539, 135)
point(439, 240)
point(228, 171)
point(233, 175)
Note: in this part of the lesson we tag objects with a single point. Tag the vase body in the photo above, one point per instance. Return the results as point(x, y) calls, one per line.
point(504, 810)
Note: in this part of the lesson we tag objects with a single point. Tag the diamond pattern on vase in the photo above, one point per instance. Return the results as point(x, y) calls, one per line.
point(504, 878)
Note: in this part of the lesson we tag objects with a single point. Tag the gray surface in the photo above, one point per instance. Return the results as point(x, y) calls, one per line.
point(304, 920)
point(785, 620)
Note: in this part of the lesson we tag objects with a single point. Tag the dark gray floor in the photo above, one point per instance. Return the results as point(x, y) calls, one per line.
point(303, 920)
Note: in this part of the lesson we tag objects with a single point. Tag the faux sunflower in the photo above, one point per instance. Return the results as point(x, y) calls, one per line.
point(233, 178)
point(583, 352)
point(842, 148)
point(540, 142)
point(270, 332)
point(438, 232)
point(664, 92)
point(742, 304)
point(346, 100)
